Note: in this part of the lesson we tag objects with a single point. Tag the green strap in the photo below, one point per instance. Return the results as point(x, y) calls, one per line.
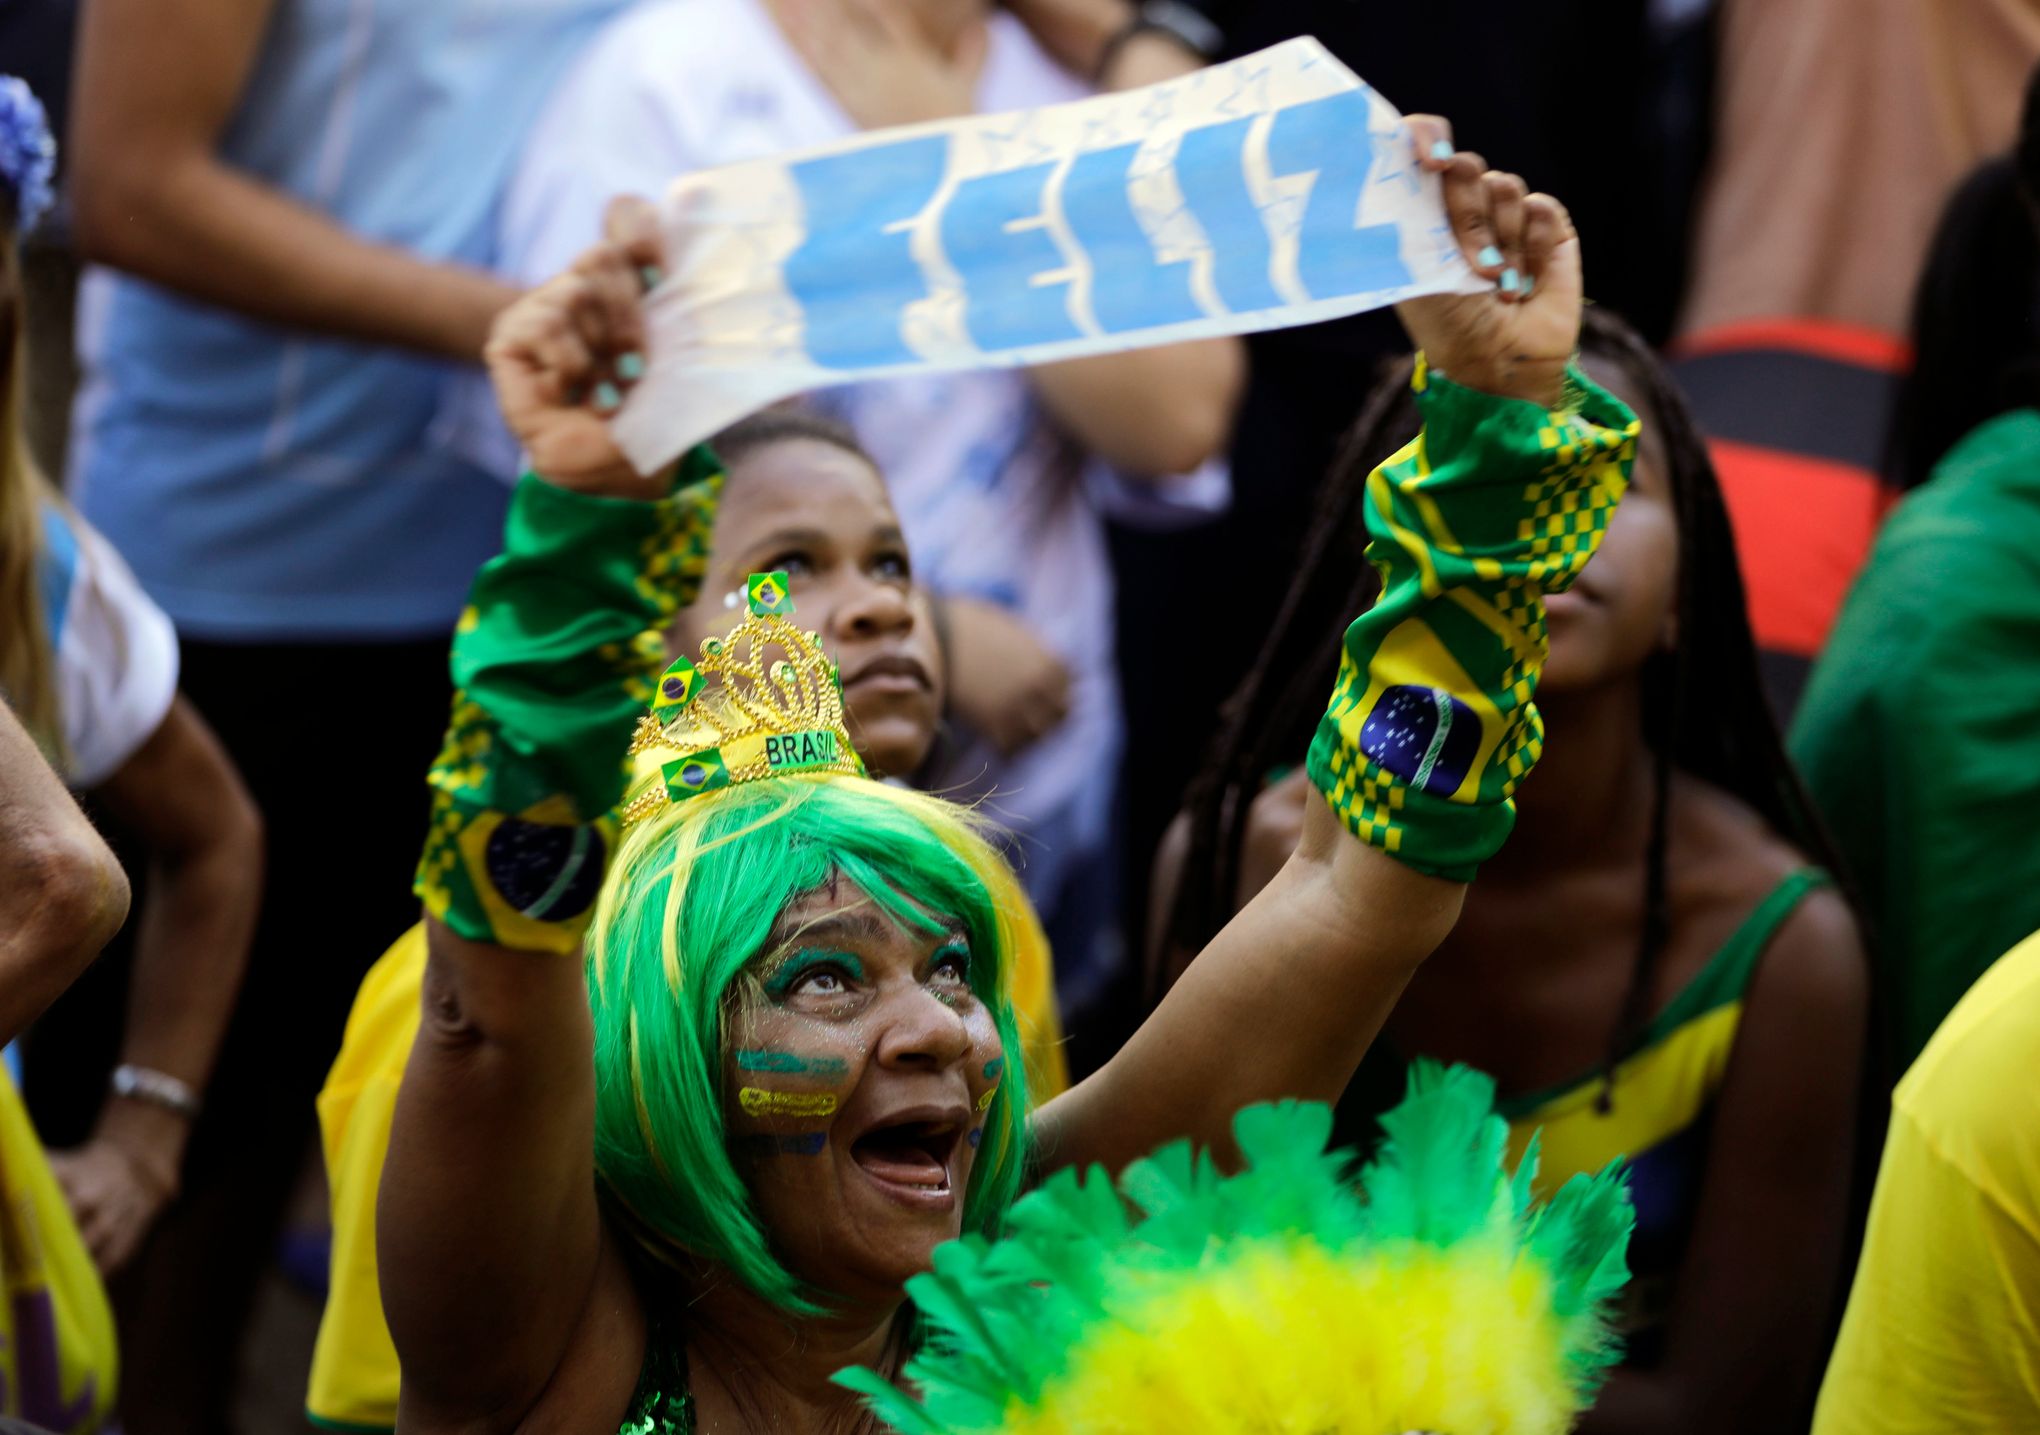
point(1431, 725)
point(1726, 977)
point(553, 663)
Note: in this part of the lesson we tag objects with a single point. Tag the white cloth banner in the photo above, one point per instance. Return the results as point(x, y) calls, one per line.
point(1272, 191)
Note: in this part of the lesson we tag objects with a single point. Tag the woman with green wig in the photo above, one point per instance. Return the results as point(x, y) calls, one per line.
point(714, 1053)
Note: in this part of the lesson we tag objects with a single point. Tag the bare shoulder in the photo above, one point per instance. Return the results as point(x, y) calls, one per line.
point(1730, 859)
point(1726, 844)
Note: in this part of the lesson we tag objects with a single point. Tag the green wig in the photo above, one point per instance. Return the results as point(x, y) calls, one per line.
point(688, 906)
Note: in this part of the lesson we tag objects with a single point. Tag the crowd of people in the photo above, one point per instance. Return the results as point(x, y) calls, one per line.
point(313, 318)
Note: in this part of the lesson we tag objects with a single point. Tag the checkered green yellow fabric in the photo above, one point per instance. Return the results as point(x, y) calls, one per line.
point(555, 658)
point(1431, 724)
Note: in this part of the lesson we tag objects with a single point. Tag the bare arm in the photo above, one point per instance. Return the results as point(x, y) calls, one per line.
point(1286, 999)
point(493, 1139)
point(157, 82)
point(62, 893)
point(1758, 1286)
point(180, 796)
point(1284, 1002)
point(488, 1234)
point(1149, 412)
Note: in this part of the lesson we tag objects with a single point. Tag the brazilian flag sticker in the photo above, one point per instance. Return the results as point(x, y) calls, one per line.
point(692, 776)
point(676, 690)
point(770, 596)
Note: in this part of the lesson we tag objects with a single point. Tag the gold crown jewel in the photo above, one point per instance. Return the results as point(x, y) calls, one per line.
point(756, 720)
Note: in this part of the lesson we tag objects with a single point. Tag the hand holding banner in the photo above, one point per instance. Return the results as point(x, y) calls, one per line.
point(1272, 191)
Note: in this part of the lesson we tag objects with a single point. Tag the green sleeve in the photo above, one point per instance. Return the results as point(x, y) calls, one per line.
point(553, 663)
point(1431, 725)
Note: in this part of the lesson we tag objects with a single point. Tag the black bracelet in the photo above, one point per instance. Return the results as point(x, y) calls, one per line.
point(1182, 23)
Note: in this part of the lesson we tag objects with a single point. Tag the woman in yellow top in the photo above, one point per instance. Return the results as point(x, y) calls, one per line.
point(801, 498)
point(1942, 1333)
point(1656, 968)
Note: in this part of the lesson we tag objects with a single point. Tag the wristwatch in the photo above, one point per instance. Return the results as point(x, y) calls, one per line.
point(1185, 24)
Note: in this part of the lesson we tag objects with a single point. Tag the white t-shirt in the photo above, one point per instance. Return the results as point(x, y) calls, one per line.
point(116, 653)
point(996, 503)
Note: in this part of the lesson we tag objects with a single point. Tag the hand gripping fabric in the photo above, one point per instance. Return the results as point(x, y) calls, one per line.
point(1494, 504)
point(555, 658)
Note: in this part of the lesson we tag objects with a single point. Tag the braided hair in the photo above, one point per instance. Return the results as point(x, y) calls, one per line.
point(1735, 745)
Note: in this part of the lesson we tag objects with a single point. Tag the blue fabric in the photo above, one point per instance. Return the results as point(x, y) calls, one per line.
point(266, 485)
point(57, 573)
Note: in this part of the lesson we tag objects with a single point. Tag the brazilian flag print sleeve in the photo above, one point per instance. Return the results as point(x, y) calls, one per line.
point(553, 662)
point(1496, 503)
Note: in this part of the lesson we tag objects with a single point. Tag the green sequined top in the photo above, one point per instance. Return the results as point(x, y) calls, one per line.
point(662, 1404)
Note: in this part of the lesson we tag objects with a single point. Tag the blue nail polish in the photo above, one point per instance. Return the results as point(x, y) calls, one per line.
point(1489, 257)
point(631, 367)
point(606, 396)
point(1511, 281)
point(1442, 149)
point(1529, 287)
point(650, 276)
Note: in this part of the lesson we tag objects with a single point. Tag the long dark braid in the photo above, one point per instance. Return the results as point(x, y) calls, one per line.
point(1269, 720)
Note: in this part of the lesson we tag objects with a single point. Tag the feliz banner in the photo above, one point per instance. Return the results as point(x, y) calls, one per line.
point(1272, 191)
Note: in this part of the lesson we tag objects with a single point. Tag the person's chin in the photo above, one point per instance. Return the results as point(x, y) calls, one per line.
point(1564, 672)
point(895, 1246)
point(896, 743)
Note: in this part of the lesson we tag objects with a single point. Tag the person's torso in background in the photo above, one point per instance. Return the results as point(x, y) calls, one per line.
point(995, 504)
point(1841, 129)
point(267, 484)
point(1917, 737)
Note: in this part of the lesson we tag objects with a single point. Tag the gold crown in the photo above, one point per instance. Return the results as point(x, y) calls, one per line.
point(755, 722)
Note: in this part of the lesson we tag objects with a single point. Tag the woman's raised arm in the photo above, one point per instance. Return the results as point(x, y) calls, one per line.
point(1500, 500)
point(488, 1235)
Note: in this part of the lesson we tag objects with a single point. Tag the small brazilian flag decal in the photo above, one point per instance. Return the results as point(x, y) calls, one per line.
point(676, 690)
point(769, 595)
point(692, 776)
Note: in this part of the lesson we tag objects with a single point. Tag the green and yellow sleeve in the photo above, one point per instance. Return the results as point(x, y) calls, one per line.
point(553, 662)
point(1431, 725)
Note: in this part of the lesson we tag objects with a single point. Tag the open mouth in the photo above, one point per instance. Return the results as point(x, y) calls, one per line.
point(911, 1160)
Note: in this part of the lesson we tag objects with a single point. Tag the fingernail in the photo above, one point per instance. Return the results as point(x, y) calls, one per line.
point(1441, 149)
point(606, 396)
point(1529, 287)
point(630, 367)
point(1511, 281)
point(1490, 257)
point(650, 276)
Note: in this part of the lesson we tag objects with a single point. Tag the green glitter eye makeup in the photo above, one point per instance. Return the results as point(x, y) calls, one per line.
point(789, 972)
